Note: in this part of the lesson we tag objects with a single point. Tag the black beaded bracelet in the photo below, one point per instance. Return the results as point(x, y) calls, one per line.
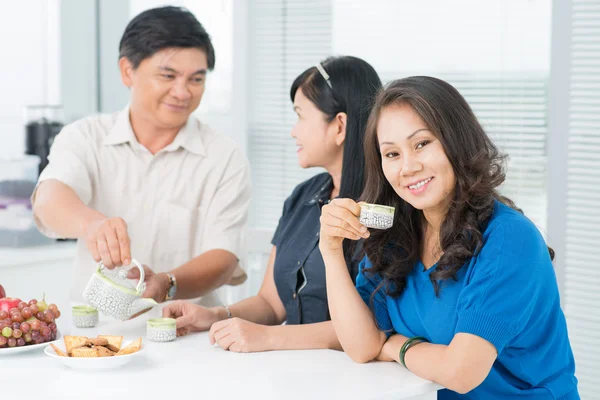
point(407, 345)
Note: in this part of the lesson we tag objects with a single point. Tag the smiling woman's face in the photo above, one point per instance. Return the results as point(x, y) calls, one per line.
point(315, 137)
point(413, 160)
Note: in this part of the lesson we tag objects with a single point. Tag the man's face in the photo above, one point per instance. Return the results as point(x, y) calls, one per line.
point(167, 87)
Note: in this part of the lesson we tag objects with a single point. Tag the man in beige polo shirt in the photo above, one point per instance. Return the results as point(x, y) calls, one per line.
point(152, 182)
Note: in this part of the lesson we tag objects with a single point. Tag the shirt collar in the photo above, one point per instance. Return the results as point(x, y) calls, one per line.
point(322, 193)
point(189, 137)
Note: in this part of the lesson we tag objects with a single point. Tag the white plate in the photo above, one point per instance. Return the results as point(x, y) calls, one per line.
point(93, 363)
point(13, 350)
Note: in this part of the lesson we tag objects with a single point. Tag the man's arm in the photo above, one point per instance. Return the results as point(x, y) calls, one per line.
point(57, 207)
point(204, 273)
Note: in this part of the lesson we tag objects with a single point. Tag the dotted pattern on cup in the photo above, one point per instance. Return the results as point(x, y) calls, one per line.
point(375, 220)
point(160, 335)
point(85, 321)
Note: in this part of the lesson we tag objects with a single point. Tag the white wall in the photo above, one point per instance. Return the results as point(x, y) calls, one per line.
point(30, 59)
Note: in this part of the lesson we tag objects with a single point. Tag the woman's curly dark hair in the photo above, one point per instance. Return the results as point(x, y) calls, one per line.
point(479, 170)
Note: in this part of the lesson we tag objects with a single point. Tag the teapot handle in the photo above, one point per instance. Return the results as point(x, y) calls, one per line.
point(138, 288)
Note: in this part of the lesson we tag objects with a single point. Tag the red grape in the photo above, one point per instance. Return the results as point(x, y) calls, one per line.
point(34, 309)
point(17, 333)
point(15, 325)
point(14, 309)
point(52, 307)
point(12, 342)
point(39, 340)
point(33, 301)
point(27, 337)
point(3, 315)
point(26, 312)
point(36, 325)
point(3, 341)
point(35, 335)
point(40, 316)
point(17, 317)
point(25, 327)
point(48, 316)
point(22, 305)
point(20, 342)
point(57, 314)
point(45, 331)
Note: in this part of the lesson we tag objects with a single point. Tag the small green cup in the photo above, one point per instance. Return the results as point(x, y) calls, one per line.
point(161, 329)
point(84, 316)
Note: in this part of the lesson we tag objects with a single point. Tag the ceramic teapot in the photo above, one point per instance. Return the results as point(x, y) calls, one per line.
point(110, 292)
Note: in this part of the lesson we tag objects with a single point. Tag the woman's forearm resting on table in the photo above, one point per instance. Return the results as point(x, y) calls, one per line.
point(308, 336)
point(460, 366)
point(351, 317)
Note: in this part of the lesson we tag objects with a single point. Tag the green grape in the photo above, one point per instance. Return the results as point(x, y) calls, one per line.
point(42, 306)
point(7, 332)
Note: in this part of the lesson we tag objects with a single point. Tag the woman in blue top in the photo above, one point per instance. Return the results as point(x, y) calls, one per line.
point(332, 101)
point(461, 290)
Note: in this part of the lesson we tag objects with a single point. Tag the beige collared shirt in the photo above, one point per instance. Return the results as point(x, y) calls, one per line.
point(190, 197)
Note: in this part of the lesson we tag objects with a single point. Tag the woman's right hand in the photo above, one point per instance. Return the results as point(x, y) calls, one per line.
point(190, 317)
point(339, 221)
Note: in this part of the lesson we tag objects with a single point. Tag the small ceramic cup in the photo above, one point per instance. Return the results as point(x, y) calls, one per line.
point(376, 216)
point(84, 316)
point(161, 329)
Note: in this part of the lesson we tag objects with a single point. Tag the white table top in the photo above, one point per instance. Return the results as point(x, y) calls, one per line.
point(191, 367)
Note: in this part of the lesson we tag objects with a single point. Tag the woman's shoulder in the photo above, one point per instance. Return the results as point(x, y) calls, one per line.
point(311, 188)
point(513, 229)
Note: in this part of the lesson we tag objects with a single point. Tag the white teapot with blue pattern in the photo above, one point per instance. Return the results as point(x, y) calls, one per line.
point(112, 293)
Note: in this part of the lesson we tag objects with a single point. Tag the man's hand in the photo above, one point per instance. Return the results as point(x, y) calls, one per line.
point(191, 317)
point(240, 336)
point(107, 240)
point(156, 284)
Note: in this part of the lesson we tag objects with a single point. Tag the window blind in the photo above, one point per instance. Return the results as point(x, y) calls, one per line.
point(507, 91)
point(582, 275)
point(286, 37)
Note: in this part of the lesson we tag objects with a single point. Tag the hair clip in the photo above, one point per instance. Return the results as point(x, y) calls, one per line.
point(324, 74)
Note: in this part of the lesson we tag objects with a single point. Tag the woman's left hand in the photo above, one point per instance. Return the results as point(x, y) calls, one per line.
point(240, 336)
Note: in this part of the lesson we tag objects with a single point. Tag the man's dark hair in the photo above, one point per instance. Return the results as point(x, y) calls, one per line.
point(164, 27)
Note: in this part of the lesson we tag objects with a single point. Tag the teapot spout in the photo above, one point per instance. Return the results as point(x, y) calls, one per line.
point(141, 305)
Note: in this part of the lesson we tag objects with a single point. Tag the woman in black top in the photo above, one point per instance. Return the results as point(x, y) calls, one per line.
point(333, 101)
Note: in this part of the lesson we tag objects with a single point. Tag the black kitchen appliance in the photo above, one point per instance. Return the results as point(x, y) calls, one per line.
point(43, 123)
